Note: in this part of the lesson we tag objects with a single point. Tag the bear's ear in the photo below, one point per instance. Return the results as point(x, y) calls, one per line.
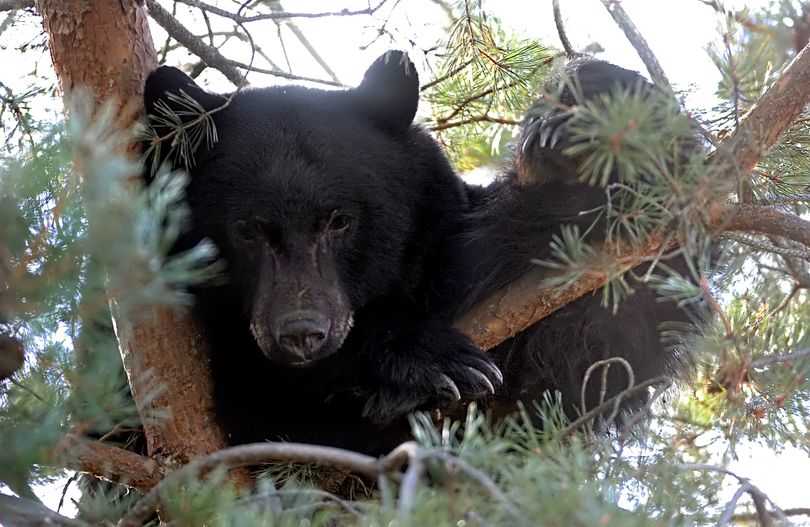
point(389, 92)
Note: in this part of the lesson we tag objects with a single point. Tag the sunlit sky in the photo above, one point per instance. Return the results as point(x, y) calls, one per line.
point(678, 32)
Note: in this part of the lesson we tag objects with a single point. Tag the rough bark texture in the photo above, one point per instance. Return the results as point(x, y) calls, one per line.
point(772, 114)
point(106, 48)
point(112, 463)
point(525, 301)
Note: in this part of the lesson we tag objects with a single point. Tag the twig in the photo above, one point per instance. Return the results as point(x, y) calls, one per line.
point(410, 484)
point(767, 361)
point(283, 74)
point(65, 488)
point(13, 5)
point(478, 119)
point(275, 7)
point(785, 198)
point(239, 18)
point(610, 403)
point(767, 247)
point(605, 364)
point(455, 71)
point(209, 54)
point(745, 518)
point(486, 482)
point(566, 44)
point(632, 33)
point(245, 455)
point(760, 498)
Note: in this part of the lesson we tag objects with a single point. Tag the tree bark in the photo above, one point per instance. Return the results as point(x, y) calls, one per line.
point(106, 47)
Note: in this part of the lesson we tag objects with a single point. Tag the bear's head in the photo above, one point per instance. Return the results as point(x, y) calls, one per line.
point(311, 197)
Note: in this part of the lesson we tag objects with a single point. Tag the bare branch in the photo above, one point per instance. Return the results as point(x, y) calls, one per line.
point(566, 44)
point(477, 119)
point(209, 54)
point(767, 247)
point(14, 5)
point(774, 359)
point(245, 455)
point(279, 15)
point(760, 498)
point(747, 518)
point(611, 403)
point(632, 33)
point(275, 7)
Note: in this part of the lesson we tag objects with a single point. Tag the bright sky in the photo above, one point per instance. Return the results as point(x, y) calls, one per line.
point(678, 32)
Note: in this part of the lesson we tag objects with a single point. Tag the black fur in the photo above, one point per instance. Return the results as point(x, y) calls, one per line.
point(333, 211)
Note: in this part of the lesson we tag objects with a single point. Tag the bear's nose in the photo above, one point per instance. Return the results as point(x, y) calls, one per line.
point(302, 333)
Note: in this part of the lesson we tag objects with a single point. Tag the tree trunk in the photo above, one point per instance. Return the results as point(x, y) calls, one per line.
point(106, 47)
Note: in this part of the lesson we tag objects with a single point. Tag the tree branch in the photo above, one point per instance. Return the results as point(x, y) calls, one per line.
point(14, 5)
point(211, 55)
point(276, 15)
point(245, 455)
point(765, 220)
point(194, 44)
point(771, 115)
point(21, 512)
point(632, 33)
point(523, 302)
point(110, 463)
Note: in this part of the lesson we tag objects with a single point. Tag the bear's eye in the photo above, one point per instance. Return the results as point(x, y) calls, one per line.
point(338, 223)
point(251, 231)
point(247, 231)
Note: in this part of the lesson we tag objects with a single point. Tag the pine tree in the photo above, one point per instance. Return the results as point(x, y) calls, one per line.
point(81, 243)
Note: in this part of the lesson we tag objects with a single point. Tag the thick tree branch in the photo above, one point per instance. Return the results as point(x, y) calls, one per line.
point(21, 512)
point(110, 463)
point(765, 220)
point(770, 116)
point(523, 302)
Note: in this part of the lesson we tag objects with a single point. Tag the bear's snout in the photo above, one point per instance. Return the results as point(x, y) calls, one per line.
point(301, 334)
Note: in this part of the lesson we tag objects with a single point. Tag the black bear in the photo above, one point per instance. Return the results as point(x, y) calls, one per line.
point(351, 245)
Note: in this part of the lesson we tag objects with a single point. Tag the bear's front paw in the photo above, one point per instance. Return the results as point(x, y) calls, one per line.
point(432, 367)
point(545, 133)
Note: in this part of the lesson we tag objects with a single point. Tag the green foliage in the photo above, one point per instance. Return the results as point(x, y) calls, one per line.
point(77, 232)
point(484, 84)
